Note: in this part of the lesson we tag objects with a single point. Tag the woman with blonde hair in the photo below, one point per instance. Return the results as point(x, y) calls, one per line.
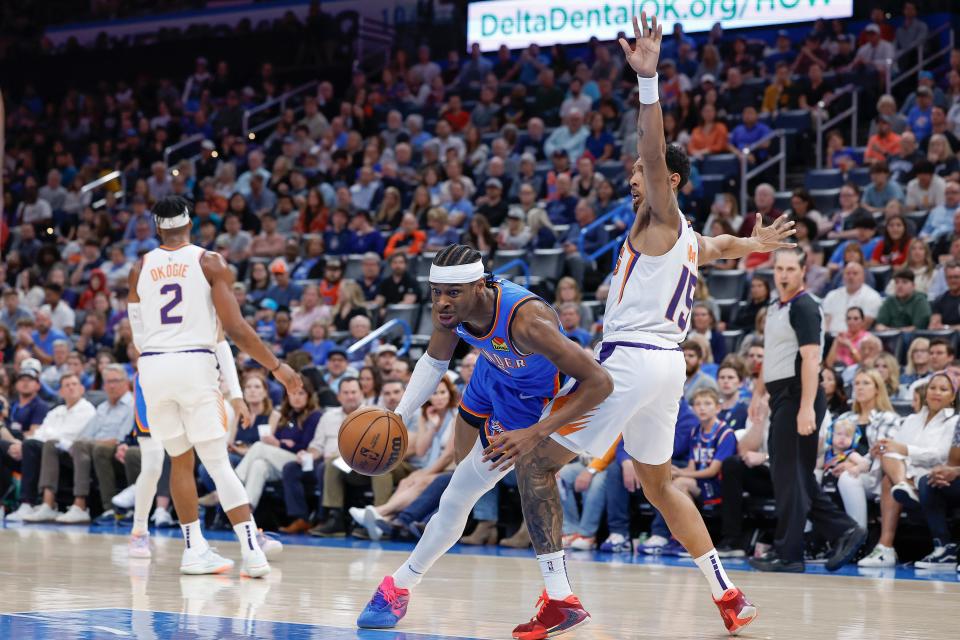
point(541, 229)
point(420, 204)
point(874, 413)
point(391, 209)
point(920, 261)
point(889, 368)
point(918, 362)
point(941, 155)
point(568, 290)
point(350, 304)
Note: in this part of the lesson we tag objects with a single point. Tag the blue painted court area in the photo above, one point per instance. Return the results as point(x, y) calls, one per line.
point(101, 624)
point(901, 572)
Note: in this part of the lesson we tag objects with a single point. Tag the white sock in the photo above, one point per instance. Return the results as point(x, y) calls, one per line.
point(140, 525)
point(553, 566)
point(712, 569)
point(408, 576)
point(193, 537)
point(247, 532)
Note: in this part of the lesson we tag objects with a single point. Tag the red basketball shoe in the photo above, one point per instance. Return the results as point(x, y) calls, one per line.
point(553, 618)
point(736, 611)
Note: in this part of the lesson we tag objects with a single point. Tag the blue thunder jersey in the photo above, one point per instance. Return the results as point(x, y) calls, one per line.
point(509, 388)
point(139, 409)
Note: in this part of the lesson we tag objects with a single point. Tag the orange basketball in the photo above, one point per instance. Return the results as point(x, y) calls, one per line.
point(372, 441)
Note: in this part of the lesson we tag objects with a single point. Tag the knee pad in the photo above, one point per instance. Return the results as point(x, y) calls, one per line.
point(213, 455)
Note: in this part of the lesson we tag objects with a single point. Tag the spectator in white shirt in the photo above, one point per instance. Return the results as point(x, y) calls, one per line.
point(921, 443)
point(158, 184)
point(926, 190)
point(853, 293)
point(363, 192)
point(875, 52)
point(62, 315)
point(576, 99)
point(572, 137)
point(53, 192)
point(50, 445)
point(425, 68)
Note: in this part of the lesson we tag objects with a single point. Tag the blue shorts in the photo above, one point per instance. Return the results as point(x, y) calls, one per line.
point(494, 403)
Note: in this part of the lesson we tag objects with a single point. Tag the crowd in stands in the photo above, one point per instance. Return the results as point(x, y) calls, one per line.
point(328, 217)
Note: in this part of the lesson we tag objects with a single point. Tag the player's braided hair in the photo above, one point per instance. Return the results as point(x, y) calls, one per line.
point(456, 255)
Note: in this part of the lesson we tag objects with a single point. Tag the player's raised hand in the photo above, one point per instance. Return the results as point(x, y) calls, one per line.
point(289, 378)
point(243, 411)
point(645, 55)
point(773, 237)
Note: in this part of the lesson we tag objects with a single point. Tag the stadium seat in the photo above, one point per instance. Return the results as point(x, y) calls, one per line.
point(503, 257)
point(421, 264)
point(726, 284)
point(794, 120)
point(892, 342)
point(919, 218)
point(547, 263)
point(859, 176)
point(728, 307)
point(610, 169)
point(354, 267)
point(903, 408)
point(826, 200)
point(882, 276)
point(823, 179)
point(410, 313)
point(713, 183)
point(725, 164)
point(782, 200)
point(732, 339)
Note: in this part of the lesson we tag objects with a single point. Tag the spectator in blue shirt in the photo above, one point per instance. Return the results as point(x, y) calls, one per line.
point(143, 241)
point(139, 213)
point(570, 321)
point(44, 336)
point(712, 442)
point(365, 236)
point(562, 207)
point(881, 189)
point(733, 404)
point(284, 292)
point(918, 117)
point(749, 133)
point(600, 142)
point(337, 239)
point(865, 227)
point(939, 223)
point(571, 137)
point(577, 261)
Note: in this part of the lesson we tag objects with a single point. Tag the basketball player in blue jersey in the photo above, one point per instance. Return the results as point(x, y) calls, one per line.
point(525, 360)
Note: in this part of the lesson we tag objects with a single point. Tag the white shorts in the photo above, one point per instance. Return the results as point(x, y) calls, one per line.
point(183, 396)
point(647, 387)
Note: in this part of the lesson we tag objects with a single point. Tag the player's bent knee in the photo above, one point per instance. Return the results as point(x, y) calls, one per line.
point(213, 455)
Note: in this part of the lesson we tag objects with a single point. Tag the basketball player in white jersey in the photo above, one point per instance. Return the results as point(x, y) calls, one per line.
point(646, 318)
point(180, 296)
point(151, 452)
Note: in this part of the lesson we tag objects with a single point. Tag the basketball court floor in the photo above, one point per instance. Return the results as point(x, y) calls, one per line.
point(59, 583)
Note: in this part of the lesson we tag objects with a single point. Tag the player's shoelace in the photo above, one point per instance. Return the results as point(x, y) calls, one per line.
point(383, 599)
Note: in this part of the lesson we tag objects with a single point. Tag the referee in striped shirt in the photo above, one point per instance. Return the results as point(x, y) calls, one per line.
point(793, 348)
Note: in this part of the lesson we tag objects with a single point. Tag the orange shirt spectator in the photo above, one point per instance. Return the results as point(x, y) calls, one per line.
point(408, 238)
point(883, 144)
point(710, 136)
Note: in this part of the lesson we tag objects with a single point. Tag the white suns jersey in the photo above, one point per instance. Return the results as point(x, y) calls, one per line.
point(175, 301)
point(653, 295)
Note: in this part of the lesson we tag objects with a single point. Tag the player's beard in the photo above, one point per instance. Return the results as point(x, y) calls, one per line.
point(637, 203)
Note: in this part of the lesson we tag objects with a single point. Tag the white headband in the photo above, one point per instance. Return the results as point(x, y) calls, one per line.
point(459, 274)
point(180, 220)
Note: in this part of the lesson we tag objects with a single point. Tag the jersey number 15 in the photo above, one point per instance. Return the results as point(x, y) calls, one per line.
point(684, 293)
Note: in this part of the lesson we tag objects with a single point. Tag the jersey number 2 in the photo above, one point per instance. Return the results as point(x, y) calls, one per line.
point(685, 289)
point(165, 317)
